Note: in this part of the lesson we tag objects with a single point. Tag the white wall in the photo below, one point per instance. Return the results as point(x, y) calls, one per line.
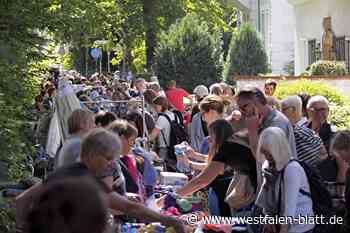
point(309, 17)
point(253, 6)
point(280, 28)
point(282, 35)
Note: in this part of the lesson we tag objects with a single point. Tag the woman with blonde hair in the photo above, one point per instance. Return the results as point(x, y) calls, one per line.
point(216, 89)
point(283, 178)
point(212, 108)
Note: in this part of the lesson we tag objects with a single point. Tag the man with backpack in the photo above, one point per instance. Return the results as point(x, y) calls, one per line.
point(169, 130)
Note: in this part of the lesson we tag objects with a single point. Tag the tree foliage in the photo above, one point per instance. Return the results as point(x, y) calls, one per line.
point(22, 25)
point(189, 54)
point(21, 46)
point(218, 14)
point(247, 55)
point(132, 26)
point(31, 30)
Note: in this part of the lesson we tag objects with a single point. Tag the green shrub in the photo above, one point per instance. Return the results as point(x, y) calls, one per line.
point(247, 55)
point(289, 68)
point(17, 90)
point(328, 68)
point(340, 115)
point(339, 104)
point(312, 88)
point(189, 54)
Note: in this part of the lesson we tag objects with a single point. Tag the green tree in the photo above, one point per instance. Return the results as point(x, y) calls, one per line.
point(247, 55)
point(21, 45)
point(218, 14)
point(132, 27)
point(150, 17)
point(189, 54)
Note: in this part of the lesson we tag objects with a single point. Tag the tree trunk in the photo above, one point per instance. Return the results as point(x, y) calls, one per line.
point(149, 21)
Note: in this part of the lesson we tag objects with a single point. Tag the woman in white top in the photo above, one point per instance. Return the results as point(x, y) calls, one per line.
point(162, 129)
point(283, 179)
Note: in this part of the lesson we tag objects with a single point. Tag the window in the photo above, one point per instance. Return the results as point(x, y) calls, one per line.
point(347, 54)
point(340, 48)
point(312, 51)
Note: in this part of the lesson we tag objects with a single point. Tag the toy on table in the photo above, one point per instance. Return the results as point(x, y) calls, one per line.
point(156, 228)
point(183, 204)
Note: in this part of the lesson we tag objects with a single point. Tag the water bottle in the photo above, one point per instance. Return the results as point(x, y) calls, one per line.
point(180, 152)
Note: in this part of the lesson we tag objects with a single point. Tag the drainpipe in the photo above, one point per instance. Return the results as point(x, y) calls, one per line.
point(259, 24)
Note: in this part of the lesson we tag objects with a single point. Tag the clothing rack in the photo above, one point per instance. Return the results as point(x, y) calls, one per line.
point(142, 101)
point(113, 101)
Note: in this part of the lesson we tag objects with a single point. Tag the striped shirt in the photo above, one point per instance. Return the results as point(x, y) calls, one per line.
point(308, 145)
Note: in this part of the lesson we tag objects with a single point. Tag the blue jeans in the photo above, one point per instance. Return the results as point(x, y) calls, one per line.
point(213, 203)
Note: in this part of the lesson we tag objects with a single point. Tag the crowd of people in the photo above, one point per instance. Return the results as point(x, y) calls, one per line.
point(251, 151)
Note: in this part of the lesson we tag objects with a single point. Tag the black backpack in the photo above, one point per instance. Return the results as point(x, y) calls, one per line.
point(178, 133)
point(320, 196)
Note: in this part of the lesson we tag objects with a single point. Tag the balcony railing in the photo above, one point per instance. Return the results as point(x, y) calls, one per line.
point(341, 50)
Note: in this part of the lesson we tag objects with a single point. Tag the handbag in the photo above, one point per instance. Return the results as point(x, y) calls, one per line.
point(240, 192)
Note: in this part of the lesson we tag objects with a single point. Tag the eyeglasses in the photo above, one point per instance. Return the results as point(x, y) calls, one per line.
point(244, 107)
point(318, 109)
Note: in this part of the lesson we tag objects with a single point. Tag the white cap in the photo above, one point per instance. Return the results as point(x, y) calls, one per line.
point(201, 91)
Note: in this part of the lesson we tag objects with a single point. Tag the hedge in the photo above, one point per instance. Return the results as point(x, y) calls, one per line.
point(339, 104)
point(328, 68)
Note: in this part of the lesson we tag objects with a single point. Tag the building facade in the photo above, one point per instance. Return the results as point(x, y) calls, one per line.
point(309, 30)
point(274, 19)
